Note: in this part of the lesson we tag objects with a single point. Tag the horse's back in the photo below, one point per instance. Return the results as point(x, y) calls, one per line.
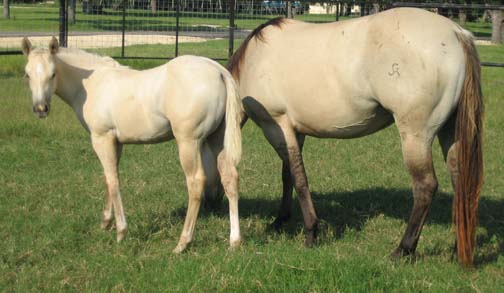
point(336, 79)
point(186, 95)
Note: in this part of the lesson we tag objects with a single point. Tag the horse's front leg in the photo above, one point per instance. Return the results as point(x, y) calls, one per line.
point(108, 151)
point(284, 212)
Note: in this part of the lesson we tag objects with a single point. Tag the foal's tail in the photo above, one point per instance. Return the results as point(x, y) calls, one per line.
point(468, 133)
point(232, 133)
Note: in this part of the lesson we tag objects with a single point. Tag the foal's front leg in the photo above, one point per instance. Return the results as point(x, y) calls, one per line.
point(108, 151)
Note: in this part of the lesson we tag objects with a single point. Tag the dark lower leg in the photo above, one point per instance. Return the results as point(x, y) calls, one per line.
point(301, 185)
point(284, 212)
point(423, 189)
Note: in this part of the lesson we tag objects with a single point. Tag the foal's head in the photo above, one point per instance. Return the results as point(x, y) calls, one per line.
point(41, 74)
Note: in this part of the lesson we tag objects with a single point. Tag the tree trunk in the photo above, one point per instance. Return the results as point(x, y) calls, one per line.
point(289, 9)
point(71, 11)
point(153, 5)
point(497, 19)
point(6, 9)
point(462, 16)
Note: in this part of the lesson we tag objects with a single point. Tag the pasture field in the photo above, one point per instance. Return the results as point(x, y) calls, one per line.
point(51, 197)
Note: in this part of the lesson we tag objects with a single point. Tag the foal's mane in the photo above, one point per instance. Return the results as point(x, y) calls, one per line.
point(234, 62)
point(80, 58)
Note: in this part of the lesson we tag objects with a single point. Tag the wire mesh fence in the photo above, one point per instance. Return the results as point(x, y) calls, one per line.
point(131, 24)
point(167, 28)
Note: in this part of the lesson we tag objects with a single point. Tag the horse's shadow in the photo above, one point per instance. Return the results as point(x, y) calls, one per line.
point(339, 211)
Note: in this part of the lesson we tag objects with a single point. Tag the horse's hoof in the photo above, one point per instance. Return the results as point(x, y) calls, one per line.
point(106, 224)
point(121, 234)
point(179, 249)
point(403, 255)
point(278, 223)
point(233, 244)
point(396, 254)
point(310, 239)
point(311, 236)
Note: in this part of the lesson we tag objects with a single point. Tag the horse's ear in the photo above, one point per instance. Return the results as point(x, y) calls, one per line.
point(26, 46)
point(54, 46)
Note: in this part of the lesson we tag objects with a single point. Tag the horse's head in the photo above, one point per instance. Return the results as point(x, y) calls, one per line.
point(41, 74)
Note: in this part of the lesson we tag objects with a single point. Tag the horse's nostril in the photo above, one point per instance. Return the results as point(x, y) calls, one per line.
point(46, 108)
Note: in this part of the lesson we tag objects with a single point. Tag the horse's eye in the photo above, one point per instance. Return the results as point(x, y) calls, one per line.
point(53, 76)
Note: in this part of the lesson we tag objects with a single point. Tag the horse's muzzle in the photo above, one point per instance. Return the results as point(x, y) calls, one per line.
point(42, 110)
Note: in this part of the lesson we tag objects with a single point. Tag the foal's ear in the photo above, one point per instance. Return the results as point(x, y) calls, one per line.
point(54, 46)
point(26, 46)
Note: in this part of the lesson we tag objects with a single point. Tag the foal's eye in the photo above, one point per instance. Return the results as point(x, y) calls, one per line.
point(53, 76)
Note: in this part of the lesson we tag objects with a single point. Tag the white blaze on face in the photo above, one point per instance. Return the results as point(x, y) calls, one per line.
point(39, 94)
point(40, 69)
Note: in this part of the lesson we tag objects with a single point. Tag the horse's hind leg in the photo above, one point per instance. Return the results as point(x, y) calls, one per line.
point(287, 147)
point(447, 141)
point(449, 146)
point(190, 159)
point(229, 179)
point(108, 151)
point(284, 212)
point(417, 153)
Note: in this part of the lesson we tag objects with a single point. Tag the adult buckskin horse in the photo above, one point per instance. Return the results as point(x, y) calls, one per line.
point(352, 78)
point(190, 99)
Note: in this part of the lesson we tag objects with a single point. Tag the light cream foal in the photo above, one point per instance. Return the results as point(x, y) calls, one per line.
point(192, 99)
point(352, 78)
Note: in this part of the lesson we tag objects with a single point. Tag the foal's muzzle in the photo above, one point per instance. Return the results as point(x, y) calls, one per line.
point(42, 110)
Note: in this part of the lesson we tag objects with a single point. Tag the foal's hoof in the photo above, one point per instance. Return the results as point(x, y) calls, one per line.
point(180, 248)
point(234, 244)
point(106, 224)
point(121, 234)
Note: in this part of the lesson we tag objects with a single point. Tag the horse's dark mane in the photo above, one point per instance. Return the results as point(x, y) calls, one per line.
point(234, 62)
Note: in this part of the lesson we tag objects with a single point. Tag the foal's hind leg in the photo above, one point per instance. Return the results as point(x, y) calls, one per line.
point(284, 212)
point(287, 147)
point(417, 153)
point(229, 179)
point(190, 159)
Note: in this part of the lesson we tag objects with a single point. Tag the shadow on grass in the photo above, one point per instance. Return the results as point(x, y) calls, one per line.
point(343, 210)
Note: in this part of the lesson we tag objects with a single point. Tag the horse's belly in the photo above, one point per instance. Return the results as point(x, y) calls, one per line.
point(143, 131)
point(347, 124)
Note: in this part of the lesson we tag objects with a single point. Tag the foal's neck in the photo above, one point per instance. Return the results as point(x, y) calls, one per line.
point(69, 84)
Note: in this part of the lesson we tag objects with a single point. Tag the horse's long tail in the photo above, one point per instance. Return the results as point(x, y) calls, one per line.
point(469, 127)
point(232, 133)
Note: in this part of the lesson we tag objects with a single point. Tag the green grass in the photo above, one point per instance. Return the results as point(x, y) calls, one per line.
point(51, 196)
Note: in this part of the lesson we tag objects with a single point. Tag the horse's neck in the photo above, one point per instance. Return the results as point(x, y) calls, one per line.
point(69, 85)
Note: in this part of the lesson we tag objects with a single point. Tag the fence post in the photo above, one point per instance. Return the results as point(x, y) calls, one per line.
point(337, 10)
point(177, 27)
point(63, 25)
point(123, 28)
point(231, 26)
